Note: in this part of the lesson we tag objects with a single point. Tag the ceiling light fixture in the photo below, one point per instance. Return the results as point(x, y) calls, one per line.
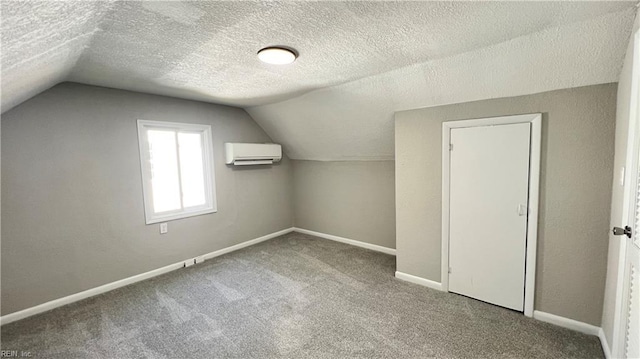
point(277, 55)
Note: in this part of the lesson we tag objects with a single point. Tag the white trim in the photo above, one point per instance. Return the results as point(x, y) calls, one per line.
point(210, 205)
point(353, 242)
point(247, 243)
point(532, 223)
point(418, 280)
point(444, 245)
point(45, 307)
point(604, 343)
point(534, 183)
point(566, 323)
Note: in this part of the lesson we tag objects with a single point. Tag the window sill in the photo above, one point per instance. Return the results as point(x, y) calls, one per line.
point(171, 217)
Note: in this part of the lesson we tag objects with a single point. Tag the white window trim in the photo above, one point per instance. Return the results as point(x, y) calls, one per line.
point(145, 171)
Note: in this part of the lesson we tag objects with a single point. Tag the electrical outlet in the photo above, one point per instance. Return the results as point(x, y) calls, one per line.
point(164, 228)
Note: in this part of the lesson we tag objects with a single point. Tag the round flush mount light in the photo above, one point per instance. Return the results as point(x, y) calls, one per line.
point(277, 55)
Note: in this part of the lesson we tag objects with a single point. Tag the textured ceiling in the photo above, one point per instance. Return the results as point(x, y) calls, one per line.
point(359, 61)
point(41, 42)
point(354, 121)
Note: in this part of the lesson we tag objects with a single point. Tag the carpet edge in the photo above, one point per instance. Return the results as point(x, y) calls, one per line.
point(353, 242)
point(59, 302)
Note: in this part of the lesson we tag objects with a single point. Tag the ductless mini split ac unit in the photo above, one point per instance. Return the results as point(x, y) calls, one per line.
point(245, 154)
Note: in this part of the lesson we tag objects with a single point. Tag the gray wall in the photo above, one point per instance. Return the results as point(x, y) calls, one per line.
point(351, 199)
point(577, 155)
point(72, 204)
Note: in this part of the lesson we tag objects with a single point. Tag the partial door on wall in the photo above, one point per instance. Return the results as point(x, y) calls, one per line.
point(489, 207)
point(629, 323)
point(627, 319)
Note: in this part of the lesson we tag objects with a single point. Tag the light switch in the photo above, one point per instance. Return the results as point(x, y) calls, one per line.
point(164, 228)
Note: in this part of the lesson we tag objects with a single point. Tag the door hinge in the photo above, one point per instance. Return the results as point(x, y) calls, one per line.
point(451, 147)
point(449, 270)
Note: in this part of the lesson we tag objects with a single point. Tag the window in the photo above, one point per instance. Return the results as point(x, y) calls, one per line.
point(177, 170)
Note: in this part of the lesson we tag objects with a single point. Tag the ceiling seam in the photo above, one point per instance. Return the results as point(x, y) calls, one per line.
point(92, 36)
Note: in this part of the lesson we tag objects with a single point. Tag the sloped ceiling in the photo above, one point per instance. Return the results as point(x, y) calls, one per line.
point(354, 121)
point(359, 61)
point(41, 42)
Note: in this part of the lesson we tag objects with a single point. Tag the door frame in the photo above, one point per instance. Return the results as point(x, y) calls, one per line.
point(535, 119)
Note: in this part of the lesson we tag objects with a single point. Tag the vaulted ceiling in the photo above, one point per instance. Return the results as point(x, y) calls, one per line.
point(359, 61)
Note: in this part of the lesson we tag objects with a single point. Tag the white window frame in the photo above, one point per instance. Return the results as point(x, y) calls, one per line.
point(210, 205)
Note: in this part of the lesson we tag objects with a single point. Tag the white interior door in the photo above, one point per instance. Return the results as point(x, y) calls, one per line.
point(489, 181)
point(628, 320)
point(631, 287)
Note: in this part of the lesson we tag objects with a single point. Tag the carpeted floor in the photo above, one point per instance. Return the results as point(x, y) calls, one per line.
point(295, 296)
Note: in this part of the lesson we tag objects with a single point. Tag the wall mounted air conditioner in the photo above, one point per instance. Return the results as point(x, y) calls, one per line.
point(244, 154)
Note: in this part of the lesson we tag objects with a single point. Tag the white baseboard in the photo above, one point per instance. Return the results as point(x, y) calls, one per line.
point(353, 242)
point(247, 243)
point(605, 344)
point(566, 323)
point(577, 326)
point(47, 306)
point(418, 280)
point(44, 307)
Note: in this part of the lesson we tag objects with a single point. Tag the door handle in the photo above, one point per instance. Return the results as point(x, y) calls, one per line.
point(617, 231)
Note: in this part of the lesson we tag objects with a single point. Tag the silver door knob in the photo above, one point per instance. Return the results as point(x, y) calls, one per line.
point(617, 231)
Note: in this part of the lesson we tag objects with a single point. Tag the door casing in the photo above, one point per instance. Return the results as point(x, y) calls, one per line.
point(535, 120)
